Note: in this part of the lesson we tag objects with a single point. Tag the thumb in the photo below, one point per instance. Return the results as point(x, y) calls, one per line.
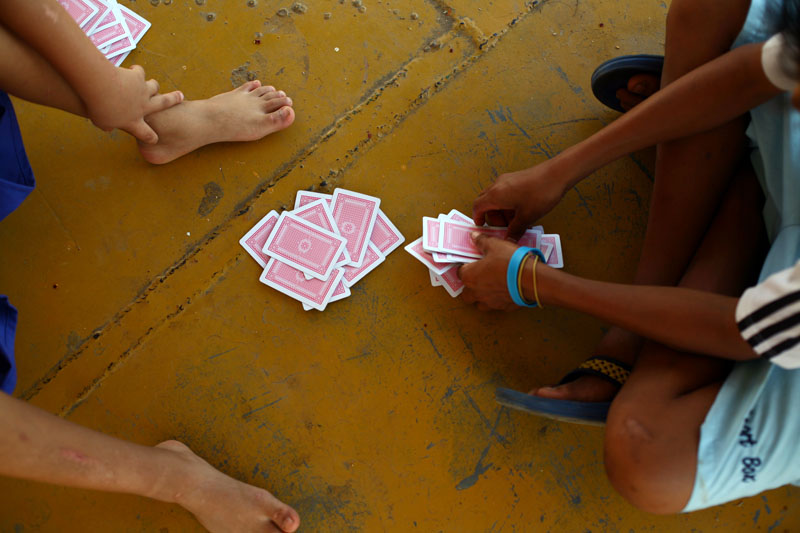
point(142, 131)
point(481, 241)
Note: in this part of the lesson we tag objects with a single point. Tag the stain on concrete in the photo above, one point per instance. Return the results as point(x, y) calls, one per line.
point(242, 74)
point(73, 342)
point(213, 195)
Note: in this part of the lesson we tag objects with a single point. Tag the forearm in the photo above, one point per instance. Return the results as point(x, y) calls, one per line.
point(685, 319)
point(46, 27)
point(708, 97)
point(39, 446)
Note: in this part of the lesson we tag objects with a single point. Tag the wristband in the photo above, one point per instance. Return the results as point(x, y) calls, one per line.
point(513, 273)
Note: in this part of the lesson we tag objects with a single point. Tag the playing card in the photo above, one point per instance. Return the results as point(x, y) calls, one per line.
point(255, 239)
point(440, 257)
point(137, 25)
point(118, 47)
point(372, 259)
point(451, 282)
point(319, 214)
point(547, 249)
point(110, 17)
point(458, 216)
point(530, 239)
point(385, 236)
point(290, 281)
point(306, 197)
point(454, 238)
point(436, 281)
point(341, 292)
point(117, 60)
point(430, 234)
point(355, 215)
point(103, 9)
point(415, 249)
point(304, 246)
point(110, 34)
point(451, 258)
point(80, 10)
point(556, 259)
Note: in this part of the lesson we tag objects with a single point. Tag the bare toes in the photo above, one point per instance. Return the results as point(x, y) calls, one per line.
point(282, 118)
point(643, 84)
point(628, 100)
point(249, 86)
point(263, 90)
point(276, 103)
point(283, 516)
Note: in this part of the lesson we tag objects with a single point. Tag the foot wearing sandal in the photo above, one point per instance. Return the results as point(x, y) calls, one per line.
point(624, 82)
point(589, 387)
point(639, 87)
point(584, 395)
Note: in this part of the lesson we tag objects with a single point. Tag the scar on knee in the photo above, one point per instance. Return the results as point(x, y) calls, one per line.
point(636, 429)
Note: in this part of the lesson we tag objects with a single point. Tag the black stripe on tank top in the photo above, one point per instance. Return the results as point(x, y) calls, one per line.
point(778, 349)
point(768, 309)
point(774, 329)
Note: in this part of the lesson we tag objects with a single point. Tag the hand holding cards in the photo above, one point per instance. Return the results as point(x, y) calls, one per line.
point(324, 246)
point(446, 244)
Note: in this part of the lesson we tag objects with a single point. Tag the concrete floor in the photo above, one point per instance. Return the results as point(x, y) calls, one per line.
point(142, 317)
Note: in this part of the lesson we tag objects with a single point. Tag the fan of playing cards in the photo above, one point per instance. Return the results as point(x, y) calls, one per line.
point(113, 28)
point(446, 244)
point(317, 251)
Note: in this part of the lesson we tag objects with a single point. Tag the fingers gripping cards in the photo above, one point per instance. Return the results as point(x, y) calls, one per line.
point(446, 243)
point(306, 254)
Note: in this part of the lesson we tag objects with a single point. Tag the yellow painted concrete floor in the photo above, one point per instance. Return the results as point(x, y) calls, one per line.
point(141, 316)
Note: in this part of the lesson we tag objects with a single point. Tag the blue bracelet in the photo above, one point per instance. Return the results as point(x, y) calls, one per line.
point(513, 273)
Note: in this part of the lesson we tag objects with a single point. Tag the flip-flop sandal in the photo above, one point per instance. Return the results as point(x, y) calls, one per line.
point(614, 74)
point(591, 413)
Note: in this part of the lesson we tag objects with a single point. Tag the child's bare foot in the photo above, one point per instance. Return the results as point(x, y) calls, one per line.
point(223, 504)
point(617, 343)
point(246, 113)
point(639, 87)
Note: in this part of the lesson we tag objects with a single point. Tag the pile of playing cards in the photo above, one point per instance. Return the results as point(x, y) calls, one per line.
point(324, 246)
point(446, 244)
point(113, 28)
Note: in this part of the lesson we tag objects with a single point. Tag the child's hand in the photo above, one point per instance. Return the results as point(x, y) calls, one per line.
point(128, 100)
point(485, 280)
point(518, 199)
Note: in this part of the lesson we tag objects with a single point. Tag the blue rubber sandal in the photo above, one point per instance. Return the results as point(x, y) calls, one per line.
point(614, 74)
point(591, 413)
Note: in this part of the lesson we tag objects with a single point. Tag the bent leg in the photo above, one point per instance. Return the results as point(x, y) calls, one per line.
point(27, 75)
point(653, 427)
point(691, 175)
point(247, 113)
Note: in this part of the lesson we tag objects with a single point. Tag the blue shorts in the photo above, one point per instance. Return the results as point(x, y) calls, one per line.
point(16, 182)
point(748, 441)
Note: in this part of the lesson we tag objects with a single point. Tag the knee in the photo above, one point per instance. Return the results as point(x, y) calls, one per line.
point(637, 466)
point(690, 18)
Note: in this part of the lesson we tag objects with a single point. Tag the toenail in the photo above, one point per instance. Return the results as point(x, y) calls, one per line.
point(638, 88)
point(289, 101)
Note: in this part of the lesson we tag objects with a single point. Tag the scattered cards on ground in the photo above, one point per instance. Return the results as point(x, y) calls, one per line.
point(113, 28)
point(316, 252)
point(446, 244)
